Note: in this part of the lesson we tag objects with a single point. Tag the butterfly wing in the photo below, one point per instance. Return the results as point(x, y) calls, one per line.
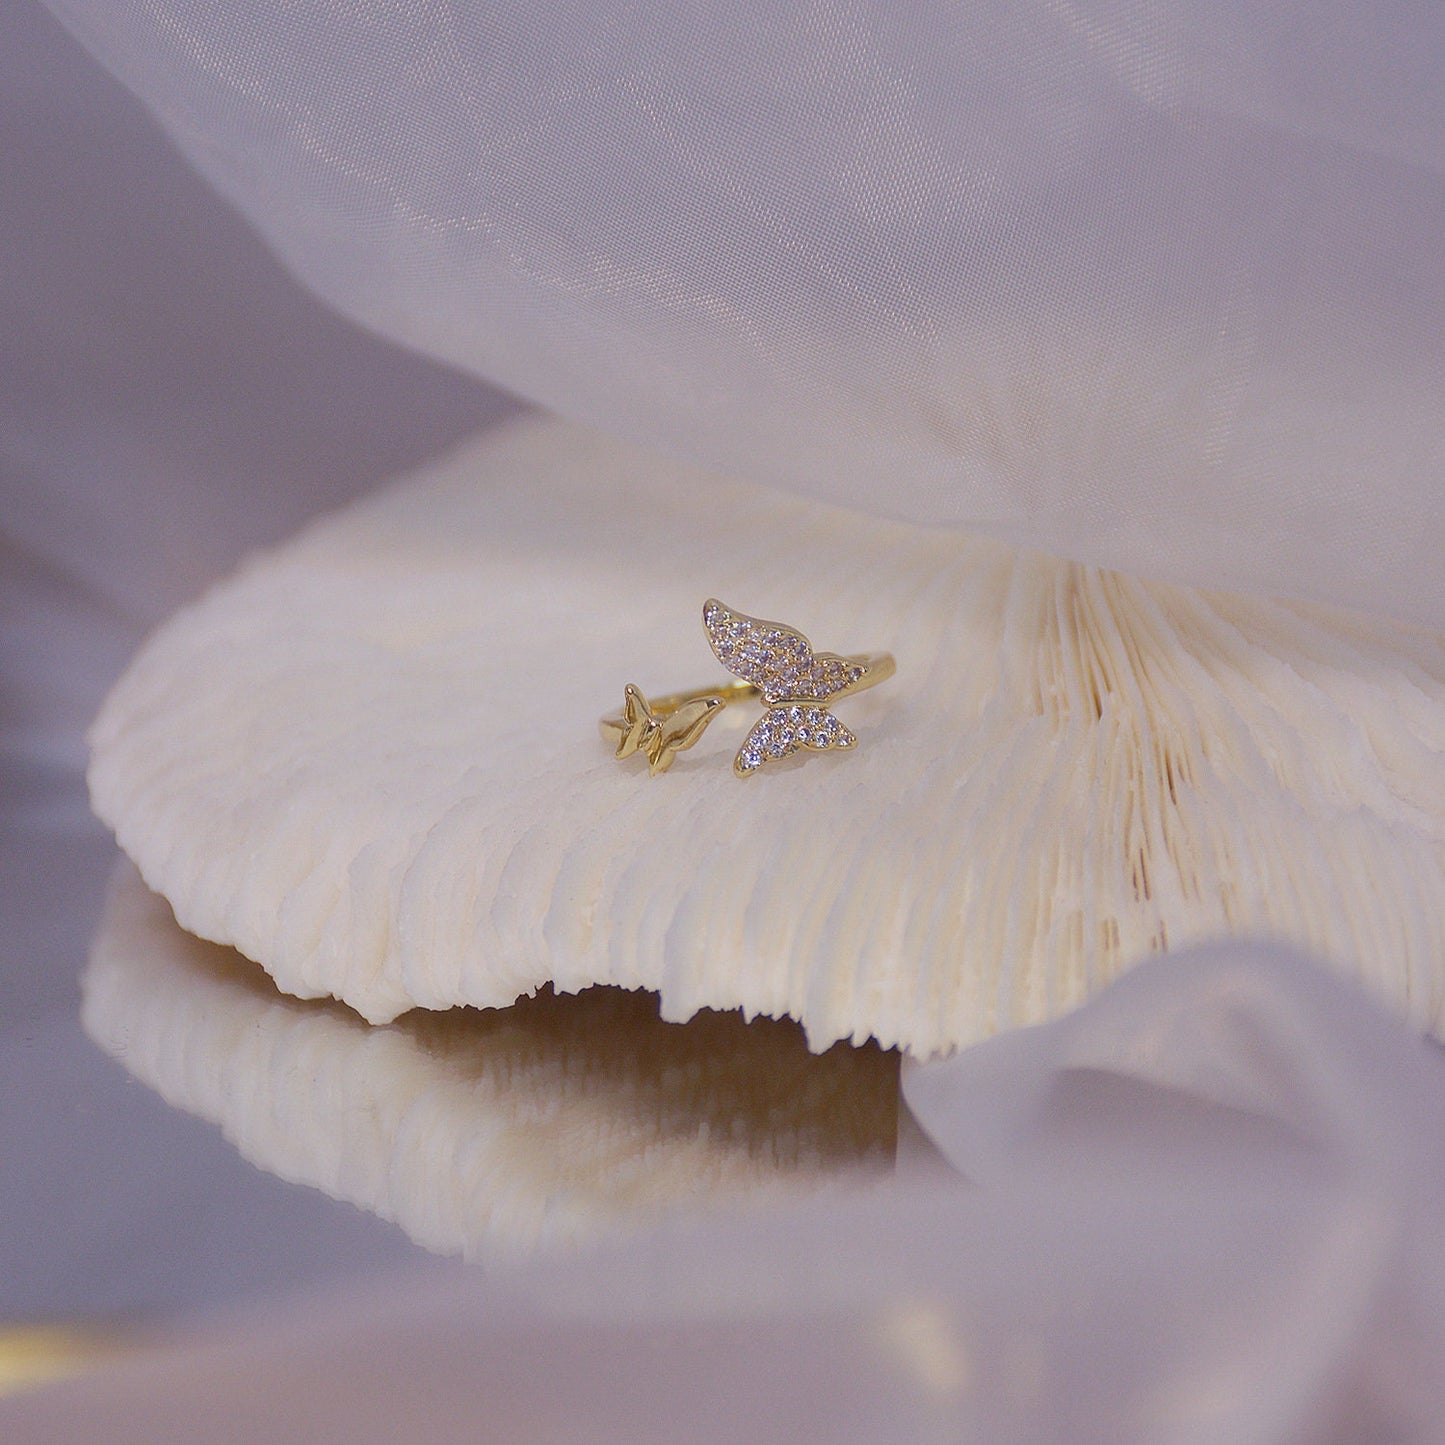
point(679, 730)
point(778, 660)
point(637, 720)
point(782, 730)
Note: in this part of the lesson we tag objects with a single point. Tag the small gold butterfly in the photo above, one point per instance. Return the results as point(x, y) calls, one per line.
point(796, 683)
point(661, 736)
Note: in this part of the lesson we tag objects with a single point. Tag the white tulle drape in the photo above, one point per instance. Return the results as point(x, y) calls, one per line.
point(1152, 285)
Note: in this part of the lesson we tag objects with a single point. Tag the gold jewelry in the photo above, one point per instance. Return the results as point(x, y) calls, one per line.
point(664, 728)
point(770, 661)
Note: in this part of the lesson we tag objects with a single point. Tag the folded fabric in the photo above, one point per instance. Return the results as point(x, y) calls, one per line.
point(1223, 1231)
point(1157, 290)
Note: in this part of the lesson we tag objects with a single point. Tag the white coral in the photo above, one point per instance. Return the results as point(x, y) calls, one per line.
point(370, 762)
point(553, 1122)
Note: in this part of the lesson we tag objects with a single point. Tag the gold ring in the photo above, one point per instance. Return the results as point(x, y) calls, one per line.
point(770, 661)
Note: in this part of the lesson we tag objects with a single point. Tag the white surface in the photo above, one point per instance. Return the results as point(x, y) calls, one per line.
point(370, 762)
point(1154, 286)
point(487, 1134)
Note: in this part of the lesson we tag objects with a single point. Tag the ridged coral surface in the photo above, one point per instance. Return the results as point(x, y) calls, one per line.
point(484, 1133)
point(370, 761)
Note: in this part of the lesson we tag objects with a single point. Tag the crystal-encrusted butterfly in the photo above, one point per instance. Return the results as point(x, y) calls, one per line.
point(795, 682)
point(660, 736)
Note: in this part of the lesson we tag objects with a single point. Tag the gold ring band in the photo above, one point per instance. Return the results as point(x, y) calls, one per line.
point(614, 725)
point(878, 667)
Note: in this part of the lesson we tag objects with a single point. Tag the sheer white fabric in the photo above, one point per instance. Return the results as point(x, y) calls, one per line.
point(1223, 1232)
point(1150, 285)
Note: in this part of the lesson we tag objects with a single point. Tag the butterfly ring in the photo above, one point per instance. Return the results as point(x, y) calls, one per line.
point(771, 662)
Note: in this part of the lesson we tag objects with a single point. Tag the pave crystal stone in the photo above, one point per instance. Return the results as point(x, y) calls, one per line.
point(788, 726)
point(775, 659)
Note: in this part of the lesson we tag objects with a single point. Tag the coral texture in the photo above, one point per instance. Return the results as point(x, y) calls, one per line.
point(559, 1120)
point(370, 762)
